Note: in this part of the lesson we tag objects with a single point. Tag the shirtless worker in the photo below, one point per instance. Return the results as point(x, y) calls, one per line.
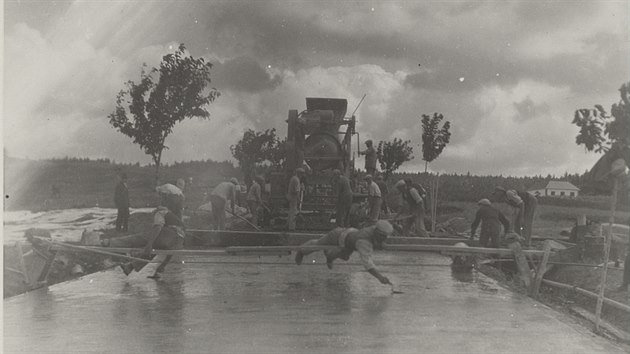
point(524, 206)
point(363, 241)
point(370, 158)
point(221, 194)
point(491, 220)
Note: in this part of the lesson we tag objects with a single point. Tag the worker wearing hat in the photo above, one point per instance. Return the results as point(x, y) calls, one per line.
point(491, 220)
point(167, 233)
point(370, 158)
point(293, 196)
point(524, 207)
point(364, 241)
point(221, 194)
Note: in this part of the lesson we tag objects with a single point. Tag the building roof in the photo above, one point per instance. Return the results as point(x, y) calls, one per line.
point(561, 185)
point(554, 185)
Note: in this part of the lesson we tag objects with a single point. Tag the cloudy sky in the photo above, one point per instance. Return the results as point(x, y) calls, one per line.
point(507, 74)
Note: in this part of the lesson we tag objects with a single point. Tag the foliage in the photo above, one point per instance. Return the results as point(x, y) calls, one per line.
point(255, 148)
point(599, 130)
point(148, 110)
point(434, 138)
point(392, 154)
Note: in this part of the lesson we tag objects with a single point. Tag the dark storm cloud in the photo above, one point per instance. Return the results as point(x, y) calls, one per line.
point(243, 74)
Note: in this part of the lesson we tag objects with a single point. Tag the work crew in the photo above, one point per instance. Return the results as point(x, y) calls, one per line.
point(343, 191)
point(415, 196)
point(382, 186)
point(370, 158)
point(491, 220)
point(121, 200)
point(524, 207)
point(293, 196)
point(167, 233)
point(349, 240)
point(254, 198)
point(221, 194)
point(374, 199)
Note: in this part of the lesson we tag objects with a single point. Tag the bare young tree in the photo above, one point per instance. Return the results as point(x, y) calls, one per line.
point(148, 110)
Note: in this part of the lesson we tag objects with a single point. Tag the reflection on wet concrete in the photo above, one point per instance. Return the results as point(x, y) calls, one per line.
point(278, 307)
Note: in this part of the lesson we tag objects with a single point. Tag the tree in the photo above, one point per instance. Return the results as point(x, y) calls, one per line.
point(434, 138)
point(257, 147)
point(392, 154)
point(599, 131)
point(148, 110)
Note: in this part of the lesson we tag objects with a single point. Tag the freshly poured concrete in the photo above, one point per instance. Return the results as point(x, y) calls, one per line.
point(269, 305)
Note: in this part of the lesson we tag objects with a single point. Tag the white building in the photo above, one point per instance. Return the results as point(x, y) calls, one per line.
point(556, 189)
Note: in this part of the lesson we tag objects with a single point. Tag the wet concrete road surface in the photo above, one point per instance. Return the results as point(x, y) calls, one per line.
point(230, 304)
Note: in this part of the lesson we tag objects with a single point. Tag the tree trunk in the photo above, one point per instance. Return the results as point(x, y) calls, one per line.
point(426, 165)
point(157, 160)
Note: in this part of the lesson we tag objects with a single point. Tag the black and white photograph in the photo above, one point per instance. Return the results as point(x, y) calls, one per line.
point(304, 176)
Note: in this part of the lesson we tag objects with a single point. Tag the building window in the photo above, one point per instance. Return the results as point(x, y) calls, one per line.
point(572, 194)
point(553, 193)
point(561, 193)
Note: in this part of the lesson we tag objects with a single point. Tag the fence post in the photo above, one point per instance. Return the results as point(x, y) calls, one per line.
point(521, 263)
point(602, 283)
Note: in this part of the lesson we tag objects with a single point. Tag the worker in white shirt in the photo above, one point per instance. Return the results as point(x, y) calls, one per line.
point(374, 199)
point(221, 194)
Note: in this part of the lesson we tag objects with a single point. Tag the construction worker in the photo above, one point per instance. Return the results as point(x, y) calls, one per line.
point(221, 194)
point(491, 220)
point(370, 158)
point(343, 191)
point(167, 233)
point(121, 200)
point(350, 240)
point(293, 196)
point(524, 207)
point(413, 194)
point(374, 199)
point(254, 198)
point(382, 186)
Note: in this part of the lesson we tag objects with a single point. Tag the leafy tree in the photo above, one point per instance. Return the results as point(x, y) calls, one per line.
point(392, 154)
point(599, 131)
point(257, 147)
point(434, 138)
point(148, 110)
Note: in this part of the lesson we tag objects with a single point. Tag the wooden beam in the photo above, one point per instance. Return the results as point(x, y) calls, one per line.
point(521, 263)
point(20, 254)
point(542, 268)
point(246, 249)
point(455, 249)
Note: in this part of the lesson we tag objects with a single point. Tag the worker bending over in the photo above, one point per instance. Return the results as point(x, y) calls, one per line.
point(524, 206)
point(221, 194)
point(414, 195)
point(350, 240)
point(491, 220)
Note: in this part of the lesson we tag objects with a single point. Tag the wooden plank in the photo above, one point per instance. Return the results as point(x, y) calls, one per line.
point(542, 268)
point(459, 250)
point(521, 263)
point(187, 252)
point(20, 255)
point(617, 332)
point(613, 303)
point(602, 283)
point(245, 249)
